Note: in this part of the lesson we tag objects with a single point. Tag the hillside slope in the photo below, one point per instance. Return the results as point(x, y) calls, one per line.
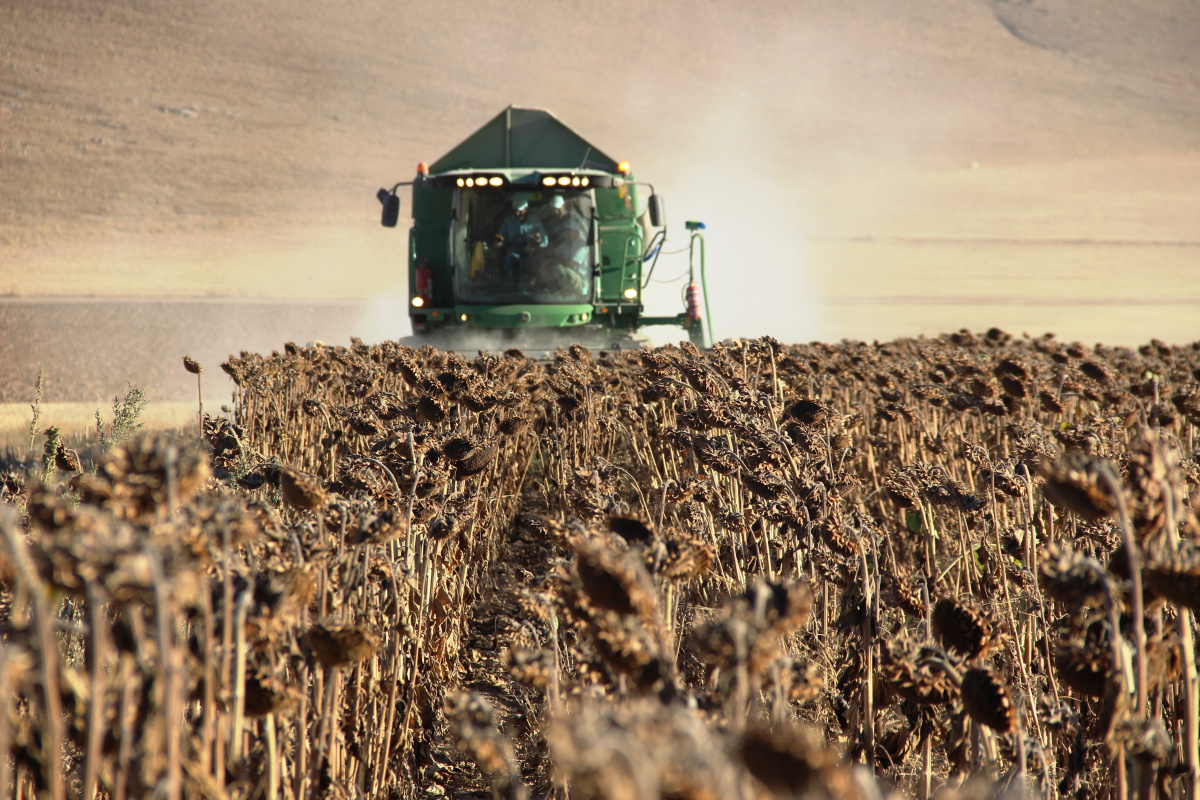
point(234, 149)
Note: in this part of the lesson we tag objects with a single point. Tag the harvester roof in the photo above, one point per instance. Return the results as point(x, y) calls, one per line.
point(524, 138)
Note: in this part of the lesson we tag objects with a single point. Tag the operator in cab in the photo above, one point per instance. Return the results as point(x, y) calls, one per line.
point(518, 234)
point(567, 231)
point(565, 263)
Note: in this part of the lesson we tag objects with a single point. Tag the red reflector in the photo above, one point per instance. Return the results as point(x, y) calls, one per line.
point(695, 304)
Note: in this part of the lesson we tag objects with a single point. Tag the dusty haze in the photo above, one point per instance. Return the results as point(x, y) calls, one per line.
point(865, 169)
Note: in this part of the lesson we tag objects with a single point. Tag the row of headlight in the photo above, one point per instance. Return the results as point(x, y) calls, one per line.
point(564, 180)
point(482, 180)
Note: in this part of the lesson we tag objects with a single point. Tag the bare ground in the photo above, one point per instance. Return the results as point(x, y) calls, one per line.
point(144, 342)
point(867, 170)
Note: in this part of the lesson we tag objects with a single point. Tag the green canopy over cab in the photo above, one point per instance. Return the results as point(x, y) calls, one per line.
point(524, 138)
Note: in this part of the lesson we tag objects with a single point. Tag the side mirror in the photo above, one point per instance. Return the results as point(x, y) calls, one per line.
point(591, 237)
point(391, 208)
point(658, 216)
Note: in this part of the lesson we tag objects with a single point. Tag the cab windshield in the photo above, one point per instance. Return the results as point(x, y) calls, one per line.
point(522, 247)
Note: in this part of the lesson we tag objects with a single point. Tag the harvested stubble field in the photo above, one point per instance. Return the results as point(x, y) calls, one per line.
point(964, 566)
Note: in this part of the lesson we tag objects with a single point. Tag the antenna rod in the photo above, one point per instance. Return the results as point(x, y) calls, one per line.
point(508, 137)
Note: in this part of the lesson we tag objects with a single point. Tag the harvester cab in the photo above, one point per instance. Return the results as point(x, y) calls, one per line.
point(527, 234)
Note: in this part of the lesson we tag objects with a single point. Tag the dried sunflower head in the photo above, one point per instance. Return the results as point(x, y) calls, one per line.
point(1146, 740)
point(1083, 659)
point(341, 645)
point(783, 607)
point(380, 528)
point(919, 674)
point(511, 426)
point(268, 695)
point(904, 589)
point(632, 530)
point(1156, 483)
point(965, 628)
point(614, 581)
point(476, 460)
point(430, 410)
point(1097, 371)
point(1050, 403)
point(1175, 575)
point(142, 477)
point(301, 489)
point(1073, 578)
point(65, 459)
point(986, 699)
point(808, 411)
point(788, 761)
point(1075, 482)
point(685, 557)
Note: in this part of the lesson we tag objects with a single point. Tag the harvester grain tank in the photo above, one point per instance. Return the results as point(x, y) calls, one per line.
point(528, 233)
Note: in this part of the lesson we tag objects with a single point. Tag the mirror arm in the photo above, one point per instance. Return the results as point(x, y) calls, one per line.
point(642, 183)
point(391, 206)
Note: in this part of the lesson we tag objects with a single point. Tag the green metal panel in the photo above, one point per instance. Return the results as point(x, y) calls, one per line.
point(620, 243)
point(620, 202)
point(431, 204)
point(524, 138)
point(539, 315)
point(429, 239)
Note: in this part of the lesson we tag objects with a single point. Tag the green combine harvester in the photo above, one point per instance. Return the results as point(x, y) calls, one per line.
point(527, 235)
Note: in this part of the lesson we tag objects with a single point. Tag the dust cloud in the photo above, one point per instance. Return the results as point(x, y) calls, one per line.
point(384, 316)
point(757, 258)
